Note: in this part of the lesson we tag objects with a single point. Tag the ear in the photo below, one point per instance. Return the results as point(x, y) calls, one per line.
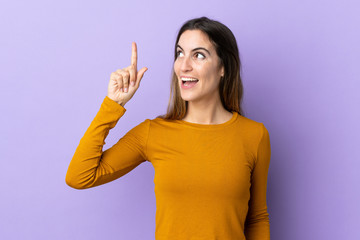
point(222, 71)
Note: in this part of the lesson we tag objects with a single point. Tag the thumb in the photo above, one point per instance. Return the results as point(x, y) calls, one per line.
point(140, 73)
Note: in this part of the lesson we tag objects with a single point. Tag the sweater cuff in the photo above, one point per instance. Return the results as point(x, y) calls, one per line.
point(111, 105)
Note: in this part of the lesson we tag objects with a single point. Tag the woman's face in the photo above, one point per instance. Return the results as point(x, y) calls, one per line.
point(197, 60)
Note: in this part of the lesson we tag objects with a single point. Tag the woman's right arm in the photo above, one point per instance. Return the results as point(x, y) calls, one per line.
point(90, 166)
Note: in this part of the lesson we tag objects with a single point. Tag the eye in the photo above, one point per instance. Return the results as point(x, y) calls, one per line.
point(199, 55)
point(179, 53)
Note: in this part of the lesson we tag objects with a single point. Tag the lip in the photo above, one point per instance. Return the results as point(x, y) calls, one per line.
point(187, 77)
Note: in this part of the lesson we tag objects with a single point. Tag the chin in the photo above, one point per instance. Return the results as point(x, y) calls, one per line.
point(189, 99)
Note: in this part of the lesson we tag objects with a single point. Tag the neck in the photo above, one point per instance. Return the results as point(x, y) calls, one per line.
point(207, 111)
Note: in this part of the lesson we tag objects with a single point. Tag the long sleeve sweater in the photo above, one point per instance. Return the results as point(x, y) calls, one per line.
point(210, 180)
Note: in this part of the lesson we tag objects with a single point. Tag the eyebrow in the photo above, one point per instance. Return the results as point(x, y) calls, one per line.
point(195, 49)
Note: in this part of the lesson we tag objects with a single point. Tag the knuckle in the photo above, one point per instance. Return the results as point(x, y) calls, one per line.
point(120, 72)
point(114, 76)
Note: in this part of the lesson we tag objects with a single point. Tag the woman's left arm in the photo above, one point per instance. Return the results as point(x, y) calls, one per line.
point(257, 225)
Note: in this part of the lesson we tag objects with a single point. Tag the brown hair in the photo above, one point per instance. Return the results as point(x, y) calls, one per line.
point(230, 87)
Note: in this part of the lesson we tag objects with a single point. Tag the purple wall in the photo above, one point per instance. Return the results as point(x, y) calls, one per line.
point(301, 78)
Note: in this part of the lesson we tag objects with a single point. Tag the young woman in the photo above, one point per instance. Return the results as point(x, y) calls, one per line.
point(211, 162)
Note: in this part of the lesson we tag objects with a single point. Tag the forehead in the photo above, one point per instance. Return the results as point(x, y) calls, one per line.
point(191, 39)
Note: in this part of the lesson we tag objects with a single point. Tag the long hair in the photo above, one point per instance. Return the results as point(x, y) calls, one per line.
point(230, 87)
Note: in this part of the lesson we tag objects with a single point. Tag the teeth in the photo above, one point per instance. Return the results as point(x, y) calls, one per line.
point(189, 79)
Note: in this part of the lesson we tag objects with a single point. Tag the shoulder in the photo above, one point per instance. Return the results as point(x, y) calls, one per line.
point(251, 125)
point(161, 122)
point(258, 130)
point(254, 132)
point(152, 124)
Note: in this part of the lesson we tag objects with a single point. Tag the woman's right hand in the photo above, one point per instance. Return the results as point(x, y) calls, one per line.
point(124, 82)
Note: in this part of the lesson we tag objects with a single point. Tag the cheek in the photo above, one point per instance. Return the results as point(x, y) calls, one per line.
point(211, 74)
point(208, 72)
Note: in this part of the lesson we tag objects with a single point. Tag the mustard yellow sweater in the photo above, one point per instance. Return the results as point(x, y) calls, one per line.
point(210, 180)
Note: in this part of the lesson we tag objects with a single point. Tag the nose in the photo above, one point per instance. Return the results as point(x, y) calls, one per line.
point(186, 64)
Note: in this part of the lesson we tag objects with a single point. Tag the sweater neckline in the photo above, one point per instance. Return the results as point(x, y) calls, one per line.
point(220, 125)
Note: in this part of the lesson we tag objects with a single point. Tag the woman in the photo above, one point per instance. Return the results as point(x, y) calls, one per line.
point(210, 161)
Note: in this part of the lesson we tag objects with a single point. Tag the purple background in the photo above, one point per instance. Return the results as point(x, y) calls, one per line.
point(301, 78)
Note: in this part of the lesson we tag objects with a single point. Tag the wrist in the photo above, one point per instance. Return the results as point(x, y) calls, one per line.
point(121, 103)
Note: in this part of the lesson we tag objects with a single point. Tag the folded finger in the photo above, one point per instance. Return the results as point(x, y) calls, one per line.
point(125, 80)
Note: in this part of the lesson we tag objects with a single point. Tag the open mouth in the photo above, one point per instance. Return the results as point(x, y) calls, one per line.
point(188, 82)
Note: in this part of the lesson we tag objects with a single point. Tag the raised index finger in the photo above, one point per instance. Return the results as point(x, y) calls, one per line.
point(134, 55)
